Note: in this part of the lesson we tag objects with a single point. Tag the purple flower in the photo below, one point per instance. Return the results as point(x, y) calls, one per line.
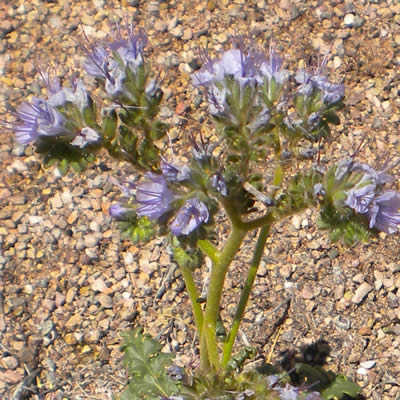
point(331, 92)
point(153, 196)
point(242, 66)
point(131, 48)
point(217, 102)
point(360, 173)
point(359, 198)
point(96, 63)
point(85, 136)
point(127, 51)
point(273, 68)
point(38, 118)
point(77, 95)
point(384, 213)
point(219, 184)
point(289, 392)
point(174, 173)
point(189, 217)
point(117, 210)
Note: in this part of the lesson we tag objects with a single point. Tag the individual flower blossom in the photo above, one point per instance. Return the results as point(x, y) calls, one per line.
point(85, 136)
point(131, 47)
point(77, 95)
point(243, 66)
point(174, 173)
point(37, 118)
point(217, 102)
point(360, 198)
point(189, 217)
point(153, 196)
point(384, 213)
point(314, 119)
point(361, 173)
point(331, 92)
point(272, 69)
point(96, 62)
point(118, 210)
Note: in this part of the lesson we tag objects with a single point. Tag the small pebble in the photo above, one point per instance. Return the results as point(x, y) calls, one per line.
point(361, 293)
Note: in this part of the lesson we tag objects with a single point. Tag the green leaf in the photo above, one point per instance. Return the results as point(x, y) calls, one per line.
point(330, 385)
point(147, 367)
point(339, 387)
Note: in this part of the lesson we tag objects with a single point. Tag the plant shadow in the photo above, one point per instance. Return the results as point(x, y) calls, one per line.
point(305, 367)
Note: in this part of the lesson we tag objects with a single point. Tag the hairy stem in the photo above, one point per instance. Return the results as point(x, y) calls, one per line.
point(244, 297)
point(209, 250)
point(193, 295)
point(215, 288)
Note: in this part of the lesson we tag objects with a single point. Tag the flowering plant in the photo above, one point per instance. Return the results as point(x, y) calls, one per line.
point(268, 122)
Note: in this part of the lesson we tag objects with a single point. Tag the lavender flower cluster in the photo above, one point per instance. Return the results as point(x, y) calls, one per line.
point(155, 200)
point(249, 67)
point(51, 117)
point(115, 61)
point(366, 196)
point(68, 113)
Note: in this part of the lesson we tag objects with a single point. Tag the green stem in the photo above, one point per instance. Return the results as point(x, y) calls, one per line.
point(257, 222)
point(278, 176)
point(209, 250)
point(193, 295)
point(244, 297)
point(215, 288)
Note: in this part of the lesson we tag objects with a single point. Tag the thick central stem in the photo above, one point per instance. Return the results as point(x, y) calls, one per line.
point(258, 252)
point(215, 288)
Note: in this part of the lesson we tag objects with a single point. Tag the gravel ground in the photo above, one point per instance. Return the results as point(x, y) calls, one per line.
point(69, 285)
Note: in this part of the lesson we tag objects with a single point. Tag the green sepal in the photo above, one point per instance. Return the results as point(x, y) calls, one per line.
point(344, 225)
point(89, 114)
point(110, 123)
point(299, 193)
point(138, 229)
point(186, 256)
point(299, 104)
